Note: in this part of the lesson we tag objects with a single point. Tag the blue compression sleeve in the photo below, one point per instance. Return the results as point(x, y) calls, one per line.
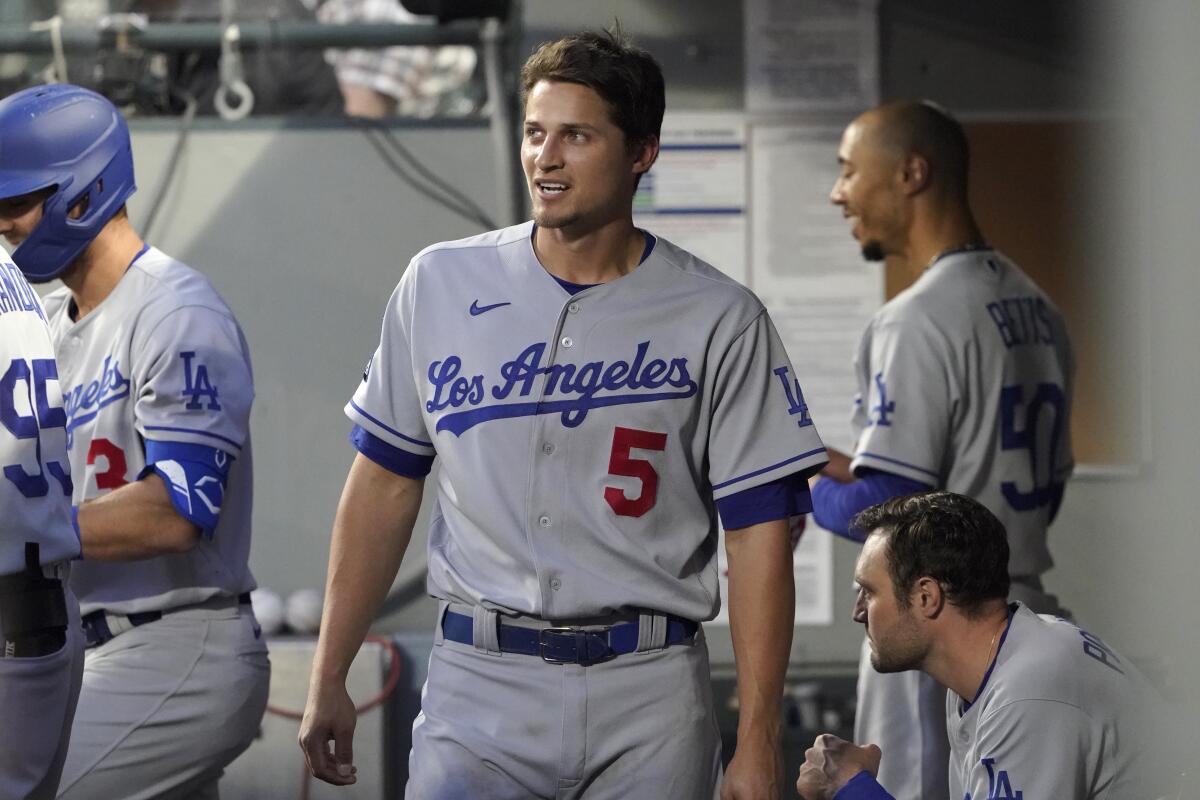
point(786, 497)
point(195, 476)
point(393, 459)
point(862, 786)
point(835, 504)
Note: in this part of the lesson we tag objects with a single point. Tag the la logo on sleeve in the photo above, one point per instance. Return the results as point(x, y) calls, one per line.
point(999, 786)
point(197, 384)
point(795, 398)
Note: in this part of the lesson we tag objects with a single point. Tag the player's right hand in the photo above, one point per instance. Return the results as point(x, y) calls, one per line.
point(830, 763)
point(329, 716)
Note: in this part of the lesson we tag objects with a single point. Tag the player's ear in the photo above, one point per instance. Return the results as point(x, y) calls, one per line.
point(645, 154)
point(914, 174)
point(929, 598)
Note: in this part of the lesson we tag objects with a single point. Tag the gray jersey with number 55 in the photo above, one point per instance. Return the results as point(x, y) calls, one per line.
point(965, 383)
point(584, 438)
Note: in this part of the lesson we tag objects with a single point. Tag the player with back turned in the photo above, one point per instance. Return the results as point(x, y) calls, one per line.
point(964, 382)
point(1036, 707)
point(156, 379)
point(596, 396)
point(41, 644)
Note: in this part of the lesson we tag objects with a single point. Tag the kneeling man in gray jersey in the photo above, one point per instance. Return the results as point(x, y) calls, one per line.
point(1036, 707)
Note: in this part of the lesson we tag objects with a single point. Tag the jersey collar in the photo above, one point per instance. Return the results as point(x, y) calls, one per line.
point(970, 247)
point(965, 705)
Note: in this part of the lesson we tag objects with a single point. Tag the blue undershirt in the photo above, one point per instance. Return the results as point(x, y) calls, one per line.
point(862, 786)
point(836, 503)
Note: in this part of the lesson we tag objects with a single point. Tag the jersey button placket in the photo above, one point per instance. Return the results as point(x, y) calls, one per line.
point(550, 485)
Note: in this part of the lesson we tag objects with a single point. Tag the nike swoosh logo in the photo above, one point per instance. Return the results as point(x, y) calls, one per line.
point(477, 309)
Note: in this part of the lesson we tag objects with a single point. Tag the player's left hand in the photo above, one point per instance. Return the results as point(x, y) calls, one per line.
point(755, 773)
point(830, 763)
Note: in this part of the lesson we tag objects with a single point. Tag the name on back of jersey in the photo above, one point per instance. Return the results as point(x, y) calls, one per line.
point(1022, 321)
point(16, 293)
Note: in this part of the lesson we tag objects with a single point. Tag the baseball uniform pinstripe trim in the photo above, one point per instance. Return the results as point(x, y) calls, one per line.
point(392, 431)
point(749, 475)
point(230, 442)
point(899, 462)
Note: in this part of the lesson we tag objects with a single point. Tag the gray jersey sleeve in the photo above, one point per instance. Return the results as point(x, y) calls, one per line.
point(1036, 749)
point(907, 404)
point(761, 429)
point(387, 402)
point(193, 380)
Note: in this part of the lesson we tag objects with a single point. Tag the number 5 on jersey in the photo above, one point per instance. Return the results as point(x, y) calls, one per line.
point(621, 462)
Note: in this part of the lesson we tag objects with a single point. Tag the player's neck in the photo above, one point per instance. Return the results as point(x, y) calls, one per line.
point(597, 255)
point(966, 651)
point(100, 267)
point(939, 231)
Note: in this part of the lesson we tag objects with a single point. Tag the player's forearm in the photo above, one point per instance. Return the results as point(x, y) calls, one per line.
point(371, 531)
point(761, 619)
point(134, 522)
point(838, 467)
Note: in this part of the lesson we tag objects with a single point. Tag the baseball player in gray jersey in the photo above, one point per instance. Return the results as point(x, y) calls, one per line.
point(41, 645)
point(1036, 707)
point(596, 397)
point(157, 388)
point(964, 384)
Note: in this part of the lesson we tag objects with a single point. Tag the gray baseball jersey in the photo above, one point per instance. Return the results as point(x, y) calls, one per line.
point(156, 374)
point(965, 384)
point(161, 359)
point(35, 488)
point(38, 694)
point(1060, 715)
point(582, 438)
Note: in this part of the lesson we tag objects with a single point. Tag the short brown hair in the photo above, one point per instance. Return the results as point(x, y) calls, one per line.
point(628, 78)
point(948, 537)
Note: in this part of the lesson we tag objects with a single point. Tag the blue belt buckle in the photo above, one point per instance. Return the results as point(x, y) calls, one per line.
point(552, 642)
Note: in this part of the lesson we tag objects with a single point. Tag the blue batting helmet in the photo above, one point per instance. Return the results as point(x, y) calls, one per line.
point(76, 142)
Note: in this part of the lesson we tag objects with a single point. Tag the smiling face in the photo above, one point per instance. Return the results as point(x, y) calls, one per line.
point(893, 631)
point(870, 192)
point(580, 169)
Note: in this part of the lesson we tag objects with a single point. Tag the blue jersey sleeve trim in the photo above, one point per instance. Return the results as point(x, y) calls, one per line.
point(835, 503)
point(218, 437)
point(157, 450)
point(862, 786)
point(897, 461)
point(392, 431)
point(393, 459)
point(784, 463)
point(782, 498)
